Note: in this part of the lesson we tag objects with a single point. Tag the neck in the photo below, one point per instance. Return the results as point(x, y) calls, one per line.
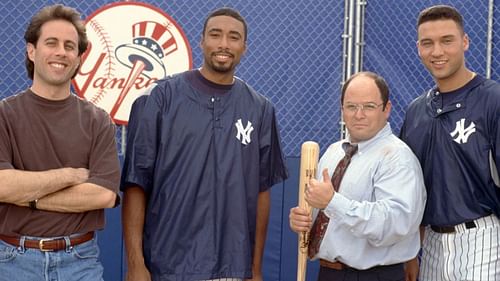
point(457, 81)
point(51, 92)
point(218, 78)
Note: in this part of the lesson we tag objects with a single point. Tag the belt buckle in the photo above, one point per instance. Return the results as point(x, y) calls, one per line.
point(41, 247)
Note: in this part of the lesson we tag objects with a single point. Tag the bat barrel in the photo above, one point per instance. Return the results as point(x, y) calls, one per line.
point(309, 155)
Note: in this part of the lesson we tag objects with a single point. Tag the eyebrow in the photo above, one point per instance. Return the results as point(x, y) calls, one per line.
point(447, 36)
point(214, 30)
point(234, 32)
point(366, 102)
point(57, 39)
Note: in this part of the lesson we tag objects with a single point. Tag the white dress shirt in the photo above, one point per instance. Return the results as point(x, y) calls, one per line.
point(375, 216)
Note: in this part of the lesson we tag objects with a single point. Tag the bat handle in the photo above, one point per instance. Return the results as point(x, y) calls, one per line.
point(304, 241)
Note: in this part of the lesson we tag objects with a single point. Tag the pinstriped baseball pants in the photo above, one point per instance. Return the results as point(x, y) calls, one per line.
point(466, 254)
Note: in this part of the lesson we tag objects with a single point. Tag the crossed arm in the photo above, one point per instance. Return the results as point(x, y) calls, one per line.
point(59, 190)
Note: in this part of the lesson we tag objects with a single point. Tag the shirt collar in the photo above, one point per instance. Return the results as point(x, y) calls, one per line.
point(364, 145)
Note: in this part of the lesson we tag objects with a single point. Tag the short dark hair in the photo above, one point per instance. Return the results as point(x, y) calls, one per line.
point(379, 81)
point(441, 12)
point(50, 13)
point(226, 11)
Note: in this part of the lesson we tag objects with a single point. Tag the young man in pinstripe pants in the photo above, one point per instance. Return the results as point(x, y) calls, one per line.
point(454, 130)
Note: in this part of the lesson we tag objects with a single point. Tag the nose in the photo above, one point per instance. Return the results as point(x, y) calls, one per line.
point(437, 50)
point(60, 50)
point(359, 113)
point(223, 42)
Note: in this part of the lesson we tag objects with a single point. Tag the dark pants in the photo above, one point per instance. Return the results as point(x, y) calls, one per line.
point(379, 273)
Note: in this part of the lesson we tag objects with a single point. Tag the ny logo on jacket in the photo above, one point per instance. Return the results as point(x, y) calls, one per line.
point(243, 134)
point(462, 134)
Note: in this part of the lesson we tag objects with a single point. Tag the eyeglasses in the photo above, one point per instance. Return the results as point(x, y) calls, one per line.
point(365, 107)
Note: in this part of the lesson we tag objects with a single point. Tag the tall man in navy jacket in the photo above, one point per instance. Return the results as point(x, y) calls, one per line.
point(203, 151)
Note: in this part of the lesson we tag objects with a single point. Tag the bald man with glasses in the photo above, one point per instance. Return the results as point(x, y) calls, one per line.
point(369, 195)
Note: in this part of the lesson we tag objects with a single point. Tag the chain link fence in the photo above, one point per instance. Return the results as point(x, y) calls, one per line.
point(495, 64)
point(294, 54)
point(391, 49)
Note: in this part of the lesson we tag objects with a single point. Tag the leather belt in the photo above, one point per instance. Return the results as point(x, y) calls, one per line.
point(48, 244)
point(337, 265)
point(451, 229)
point(333, 265)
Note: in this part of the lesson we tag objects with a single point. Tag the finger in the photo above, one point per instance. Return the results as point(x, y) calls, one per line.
point(326, 176)
point(306, 192)
point(311, 182)
point(309, 197)
point(301, 221)
point(299, 226)
point(299, 213)
point(309, 201)
point(299, 229)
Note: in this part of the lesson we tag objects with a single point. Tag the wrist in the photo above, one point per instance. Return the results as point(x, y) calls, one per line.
point(135, 260)
point(328, 201)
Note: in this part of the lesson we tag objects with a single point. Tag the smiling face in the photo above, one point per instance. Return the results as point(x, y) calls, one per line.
point(223, 44)
point(363, 124)
point(441, 47)
point(55, 56)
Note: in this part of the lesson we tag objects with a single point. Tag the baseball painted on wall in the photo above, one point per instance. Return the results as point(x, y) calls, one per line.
point(131, 45)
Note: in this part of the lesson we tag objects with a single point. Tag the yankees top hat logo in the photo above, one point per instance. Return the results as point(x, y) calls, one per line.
point(132, 44)
point(151, 42)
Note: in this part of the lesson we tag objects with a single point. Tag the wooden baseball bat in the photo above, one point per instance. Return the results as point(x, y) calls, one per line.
point(309, 155)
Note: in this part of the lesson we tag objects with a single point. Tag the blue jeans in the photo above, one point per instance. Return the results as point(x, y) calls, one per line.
point(78, 262)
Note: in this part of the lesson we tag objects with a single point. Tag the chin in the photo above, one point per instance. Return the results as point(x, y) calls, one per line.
point(223, 70)
point(440, 74)
point(358, 137)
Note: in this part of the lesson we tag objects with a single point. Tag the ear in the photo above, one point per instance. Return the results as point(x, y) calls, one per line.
point(387, 110)
point(202, 40)
point(465, 42)
point(30, 51)
point(418, 47)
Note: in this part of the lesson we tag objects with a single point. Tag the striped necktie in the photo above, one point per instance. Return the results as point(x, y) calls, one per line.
point(320, 224)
